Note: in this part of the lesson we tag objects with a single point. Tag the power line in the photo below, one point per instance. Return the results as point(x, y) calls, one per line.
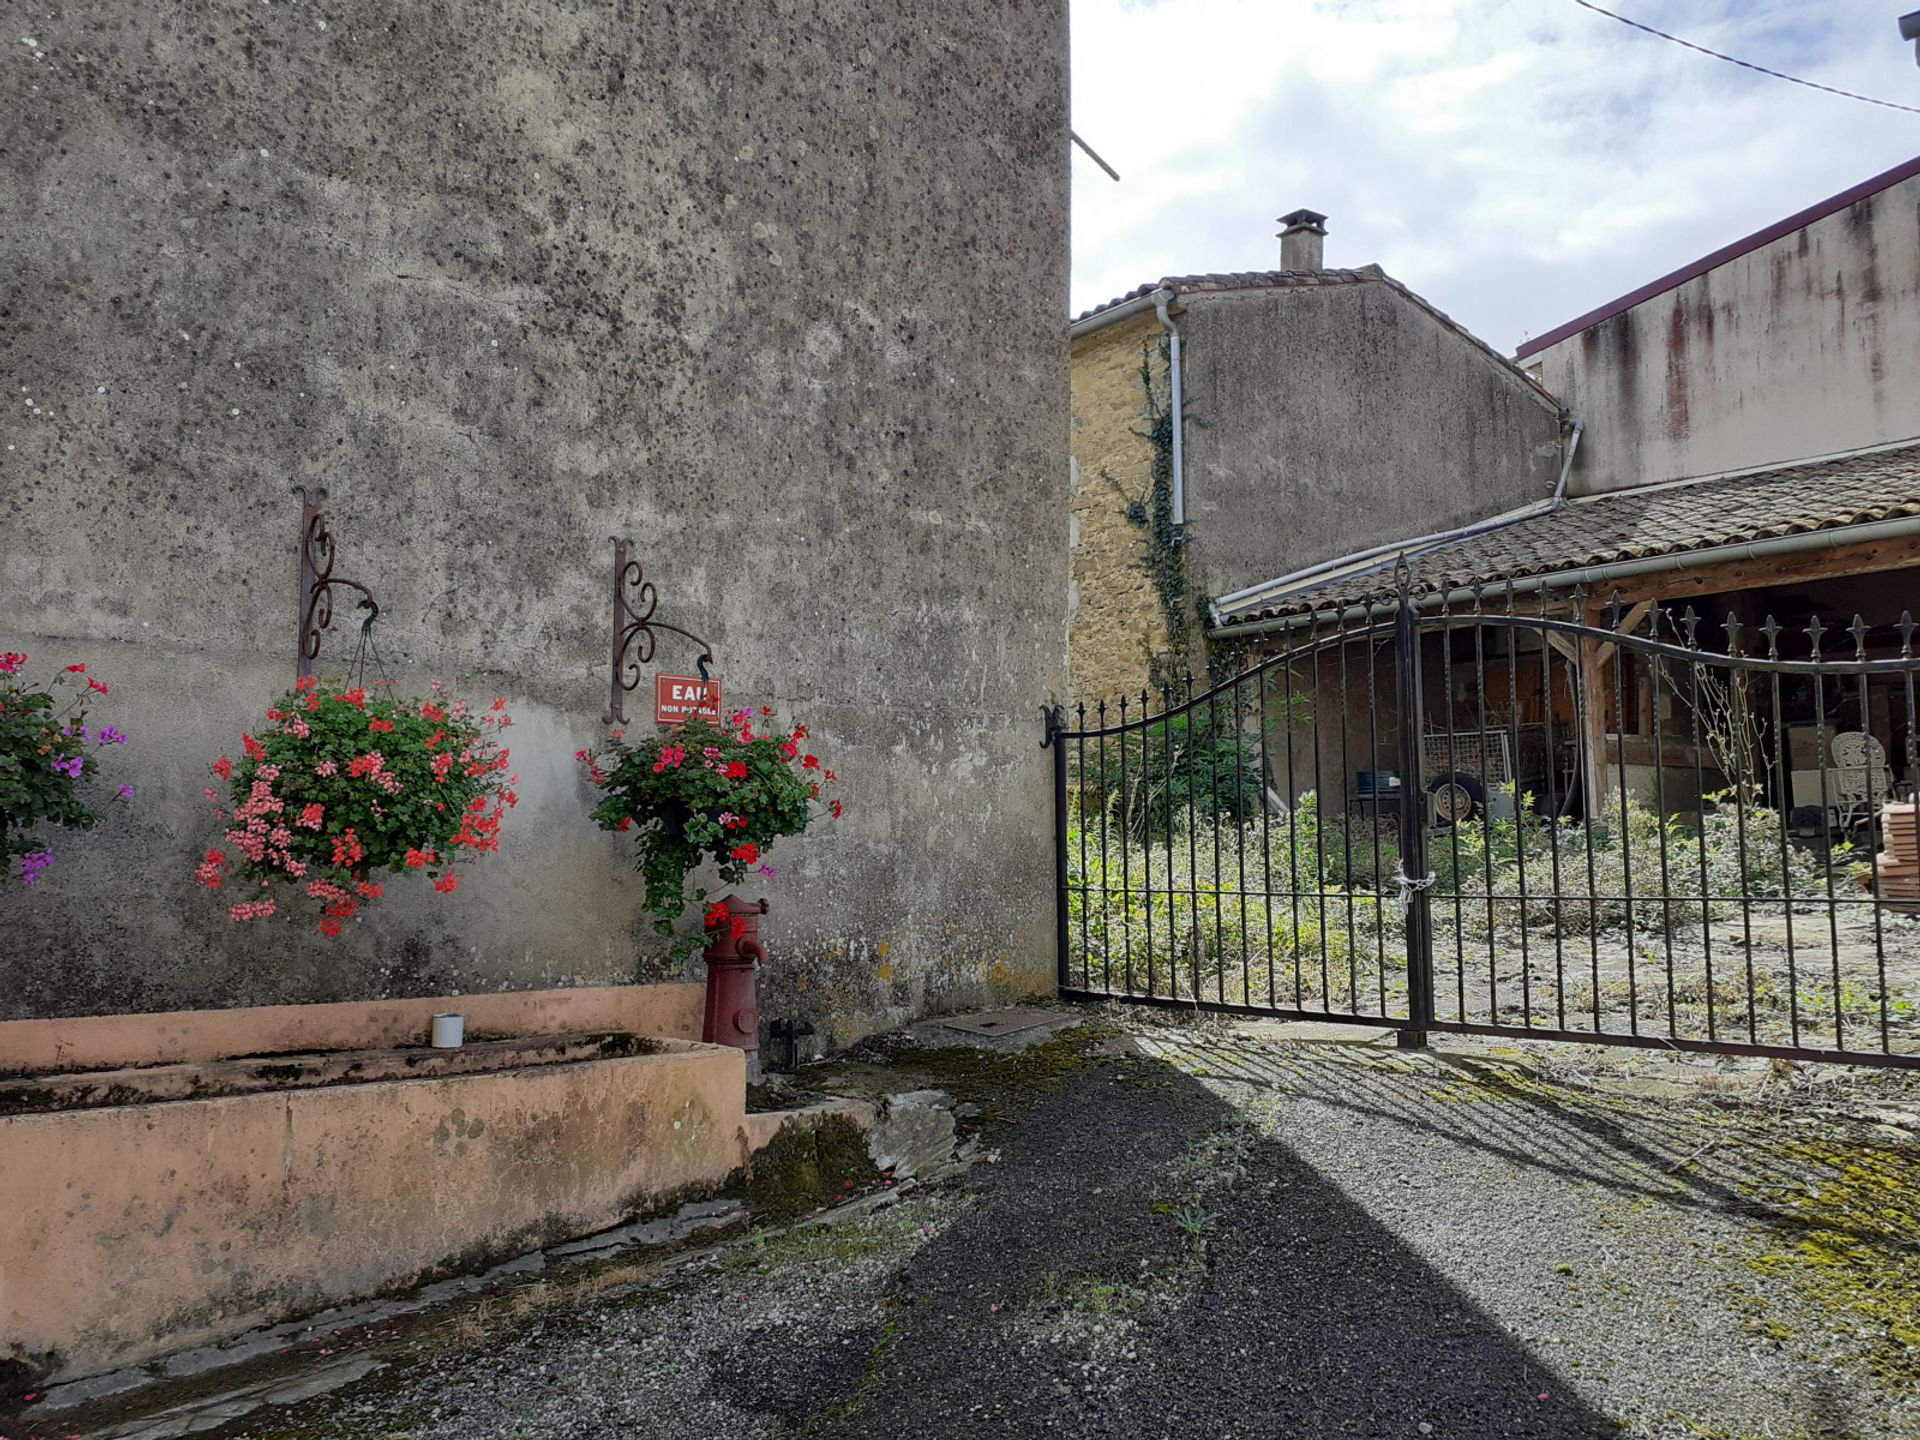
point(1747, 64)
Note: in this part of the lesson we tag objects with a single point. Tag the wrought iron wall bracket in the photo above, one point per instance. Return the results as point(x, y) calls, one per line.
point(317, 580)
point(634, 601)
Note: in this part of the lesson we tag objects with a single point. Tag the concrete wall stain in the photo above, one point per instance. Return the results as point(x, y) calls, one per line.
point(1785, 353)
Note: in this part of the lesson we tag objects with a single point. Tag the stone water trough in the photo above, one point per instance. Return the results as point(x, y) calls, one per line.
point(174, 1180)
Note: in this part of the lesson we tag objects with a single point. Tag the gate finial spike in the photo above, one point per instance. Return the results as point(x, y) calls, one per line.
point(1906, 634)
point(1814, 631)
point(1859, 630)
point(1732, 627)
point(1771, 629)
point(1690, 623)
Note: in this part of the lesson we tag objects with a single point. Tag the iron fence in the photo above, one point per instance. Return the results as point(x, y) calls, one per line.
point(1609, 823)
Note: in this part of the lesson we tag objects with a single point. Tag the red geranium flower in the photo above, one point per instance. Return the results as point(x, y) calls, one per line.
point(747, 852)
point(223, 767)
point(383, 726)
point(737, 770)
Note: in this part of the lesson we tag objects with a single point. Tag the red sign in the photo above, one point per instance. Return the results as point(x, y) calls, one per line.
point(680, 698)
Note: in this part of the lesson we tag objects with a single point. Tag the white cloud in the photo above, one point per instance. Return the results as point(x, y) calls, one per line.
point(1517, 162)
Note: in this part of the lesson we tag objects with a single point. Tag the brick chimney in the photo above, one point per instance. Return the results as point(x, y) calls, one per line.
point(1303, 242)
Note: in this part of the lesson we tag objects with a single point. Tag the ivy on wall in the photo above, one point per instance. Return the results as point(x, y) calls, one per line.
point(1166, 559)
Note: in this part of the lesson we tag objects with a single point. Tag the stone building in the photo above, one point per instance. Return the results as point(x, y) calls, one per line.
point(506, 284)
point(1230, 428)
point(1748, 449)
point(505, 280)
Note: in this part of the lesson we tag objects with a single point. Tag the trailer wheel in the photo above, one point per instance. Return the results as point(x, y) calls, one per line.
point(1455, 798)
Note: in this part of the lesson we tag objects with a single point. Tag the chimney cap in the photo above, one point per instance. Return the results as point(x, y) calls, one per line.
point(1311, 221)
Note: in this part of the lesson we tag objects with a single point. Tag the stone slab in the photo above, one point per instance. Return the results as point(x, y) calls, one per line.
point(1001, 1022)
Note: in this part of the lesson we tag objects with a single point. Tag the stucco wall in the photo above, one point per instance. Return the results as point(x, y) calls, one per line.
point(1803, 347)
point(1322, 420)
point(138, 1229)
point(508, 279)
point(1117, 624)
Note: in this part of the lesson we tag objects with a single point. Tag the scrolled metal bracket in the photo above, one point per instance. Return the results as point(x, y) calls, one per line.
point(634, 601)
point(317, 580)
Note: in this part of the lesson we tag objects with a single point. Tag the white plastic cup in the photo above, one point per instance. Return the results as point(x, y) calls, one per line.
point(449, 1031)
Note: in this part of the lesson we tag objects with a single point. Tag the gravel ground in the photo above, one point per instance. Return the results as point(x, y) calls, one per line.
point(1202, 1233)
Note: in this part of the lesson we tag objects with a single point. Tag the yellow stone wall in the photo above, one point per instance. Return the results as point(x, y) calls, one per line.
point(1115, 624)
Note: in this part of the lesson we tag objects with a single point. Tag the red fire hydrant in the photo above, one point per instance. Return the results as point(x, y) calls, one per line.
point(733, 1017)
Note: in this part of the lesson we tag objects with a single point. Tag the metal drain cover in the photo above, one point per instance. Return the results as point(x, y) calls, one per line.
point(1001, 1022)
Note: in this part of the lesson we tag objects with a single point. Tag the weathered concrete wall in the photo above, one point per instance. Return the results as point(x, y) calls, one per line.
point(1322, 420)
point(1116, 621)
point(774, 288)
point(134, 1230)
point(1806, 346)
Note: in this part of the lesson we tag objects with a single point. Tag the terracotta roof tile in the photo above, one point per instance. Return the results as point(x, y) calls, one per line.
point(1637, 524)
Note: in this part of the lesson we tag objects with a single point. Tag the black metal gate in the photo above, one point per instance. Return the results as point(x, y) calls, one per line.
point(1604, 823)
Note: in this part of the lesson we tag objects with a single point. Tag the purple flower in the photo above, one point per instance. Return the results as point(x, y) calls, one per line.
point(768, 871)
point(71, 766)
point(32, 864)
point(109, 736)
point(126, 792)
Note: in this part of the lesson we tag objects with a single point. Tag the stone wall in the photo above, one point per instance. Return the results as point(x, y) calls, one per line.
point(1326, 419)
point(508, 279)
point(1118, 624)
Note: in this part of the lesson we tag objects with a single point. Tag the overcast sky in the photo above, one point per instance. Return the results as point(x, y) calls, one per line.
point(1516, 162)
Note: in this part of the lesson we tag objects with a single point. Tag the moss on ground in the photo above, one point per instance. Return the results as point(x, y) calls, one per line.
point(806, 1167)
point(997, 1083)
point(1849, 1243)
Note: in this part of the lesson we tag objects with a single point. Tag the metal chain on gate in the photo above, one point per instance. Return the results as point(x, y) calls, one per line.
point(1406, 887)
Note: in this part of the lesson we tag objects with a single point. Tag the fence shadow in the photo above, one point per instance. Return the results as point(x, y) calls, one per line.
point(1083, 1293)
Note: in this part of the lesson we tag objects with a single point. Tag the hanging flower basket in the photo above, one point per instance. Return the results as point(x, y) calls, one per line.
point(48, 754)
point(345, 785)
point(722, 793)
